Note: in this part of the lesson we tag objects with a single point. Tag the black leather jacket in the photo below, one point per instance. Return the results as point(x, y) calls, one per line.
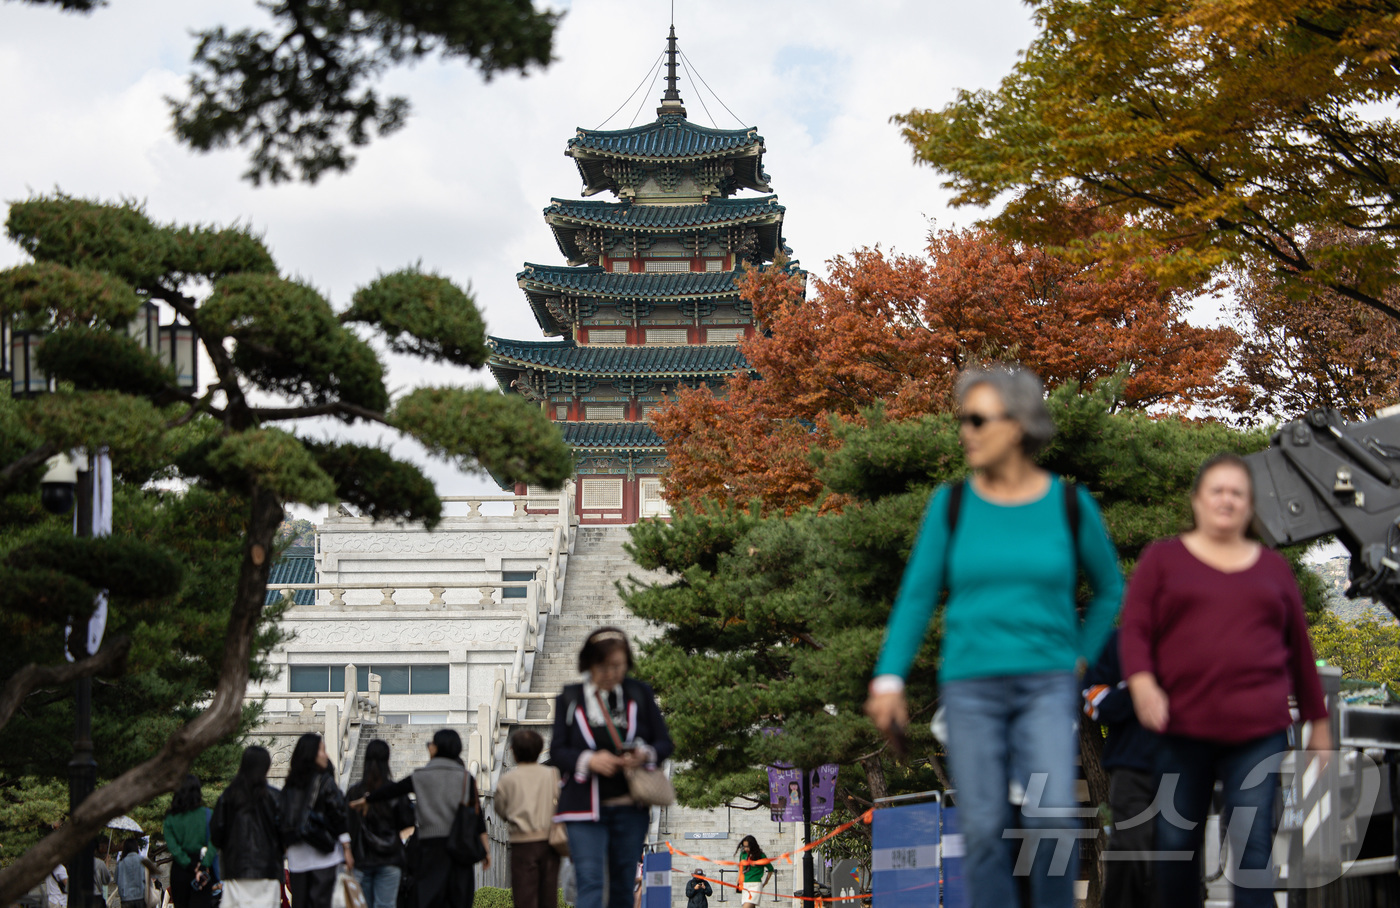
point(245, 830)
point(330, 804)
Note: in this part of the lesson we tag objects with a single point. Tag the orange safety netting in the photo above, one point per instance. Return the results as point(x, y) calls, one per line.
point(786, 857)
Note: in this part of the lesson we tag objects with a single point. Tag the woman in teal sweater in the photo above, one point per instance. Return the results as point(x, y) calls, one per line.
point(1012, 639)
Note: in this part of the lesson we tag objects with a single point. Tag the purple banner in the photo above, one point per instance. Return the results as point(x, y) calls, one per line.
point(785, 792)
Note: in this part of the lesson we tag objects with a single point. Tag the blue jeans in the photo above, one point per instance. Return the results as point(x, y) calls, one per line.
point(1020, 728)
point(613, 845)
point(380, 885)
point(1248, 774)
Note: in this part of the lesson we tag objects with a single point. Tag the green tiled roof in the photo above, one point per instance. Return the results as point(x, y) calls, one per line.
point(297, 565)
point(569, 217)
point(631, 216)
point(595, 283)
point(669, 138)
point(657, 361)
point(610, 435)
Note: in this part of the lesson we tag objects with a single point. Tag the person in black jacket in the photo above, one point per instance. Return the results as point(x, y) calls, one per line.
point(244, 827)
point(1128, 754)
point(697, 891)
point(376, 838)
point(314, 825)
point(603, 727)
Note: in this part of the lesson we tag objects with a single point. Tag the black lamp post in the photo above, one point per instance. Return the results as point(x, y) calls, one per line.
point(68, 483)
point(62, 487)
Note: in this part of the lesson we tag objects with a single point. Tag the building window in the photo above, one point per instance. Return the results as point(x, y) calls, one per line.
point(597, 413)
point(714, 264)
point(723, 335)
point(602, 493)
point(429, 679)
point(516, 592)
point(305, 679)
point(621, 266)
point(607, 336)
point(394, 679)
point(670, 336)
point(561, 411)
point(665, 266)
point(652, 504)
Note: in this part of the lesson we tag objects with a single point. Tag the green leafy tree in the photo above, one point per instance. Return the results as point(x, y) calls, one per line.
point(301, 94)
point(1220, 132)
point(1367, 649)
point(280, 353)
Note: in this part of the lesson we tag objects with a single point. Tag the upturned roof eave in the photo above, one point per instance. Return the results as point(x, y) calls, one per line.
point(534, 285)
point(497, 360)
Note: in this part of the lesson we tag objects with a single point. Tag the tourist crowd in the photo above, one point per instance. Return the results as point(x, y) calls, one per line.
point(1194, 688)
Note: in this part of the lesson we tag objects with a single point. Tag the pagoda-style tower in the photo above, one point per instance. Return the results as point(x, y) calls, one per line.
point(648, 300)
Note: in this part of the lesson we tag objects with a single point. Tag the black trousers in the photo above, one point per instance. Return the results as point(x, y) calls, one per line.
point(182, 892)
point(441, 882)
point(1128, 883)
point(313, 888)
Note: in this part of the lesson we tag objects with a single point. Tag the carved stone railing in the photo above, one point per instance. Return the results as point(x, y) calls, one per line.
point(475, 594)
point(342, 719)
point(517, 703)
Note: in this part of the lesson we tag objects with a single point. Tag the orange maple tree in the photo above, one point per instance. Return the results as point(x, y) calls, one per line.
point(896, 330)
point(1300, 350)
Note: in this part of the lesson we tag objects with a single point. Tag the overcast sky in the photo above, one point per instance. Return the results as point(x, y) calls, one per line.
point(462, 187)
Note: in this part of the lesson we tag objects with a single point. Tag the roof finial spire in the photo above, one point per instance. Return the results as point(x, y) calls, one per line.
point(671, 100)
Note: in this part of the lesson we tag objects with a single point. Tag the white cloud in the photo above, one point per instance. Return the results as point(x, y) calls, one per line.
point(461, 188)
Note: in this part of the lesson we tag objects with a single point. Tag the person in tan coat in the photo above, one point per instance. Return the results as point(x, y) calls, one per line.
point(525, 799)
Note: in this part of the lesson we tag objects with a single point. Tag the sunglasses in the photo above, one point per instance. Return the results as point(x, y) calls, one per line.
point(978, 420)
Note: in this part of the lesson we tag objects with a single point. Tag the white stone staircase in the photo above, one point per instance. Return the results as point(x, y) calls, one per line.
point(590, 601)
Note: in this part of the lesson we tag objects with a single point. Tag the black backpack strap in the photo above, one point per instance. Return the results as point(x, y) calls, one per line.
point(955, 497)
point(1072, 513)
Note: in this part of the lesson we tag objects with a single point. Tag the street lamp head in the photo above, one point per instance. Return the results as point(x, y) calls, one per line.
point(57, 488)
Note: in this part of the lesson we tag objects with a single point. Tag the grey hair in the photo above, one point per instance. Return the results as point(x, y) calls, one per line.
point(1023, 396)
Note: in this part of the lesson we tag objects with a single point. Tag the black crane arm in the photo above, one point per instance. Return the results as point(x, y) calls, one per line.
point(1321, 475)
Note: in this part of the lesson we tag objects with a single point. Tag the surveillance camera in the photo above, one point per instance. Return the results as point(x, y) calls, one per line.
point(57, 488)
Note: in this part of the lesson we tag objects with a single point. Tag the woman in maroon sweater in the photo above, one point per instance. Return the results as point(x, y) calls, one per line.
point(1213, 642)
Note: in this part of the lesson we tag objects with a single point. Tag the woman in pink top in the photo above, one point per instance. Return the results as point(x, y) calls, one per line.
point(1214, 641)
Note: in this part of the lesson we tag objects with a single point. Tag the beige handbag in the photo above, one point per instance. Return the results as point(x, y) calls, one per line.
point(559, 839)
point(648, 787)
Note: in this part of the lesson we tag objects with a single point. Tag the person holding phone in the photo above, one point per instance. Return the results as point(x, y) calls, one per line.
point(603, 727)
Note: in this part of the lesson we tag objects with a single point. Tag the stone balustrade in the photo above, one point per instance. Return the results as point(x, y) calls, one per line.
point(480, 594)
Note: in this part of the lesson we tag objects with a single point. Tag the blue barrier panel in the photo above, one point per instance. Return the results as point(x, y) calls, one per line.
point(954, 890)
point(656, 880)
point(904, 845)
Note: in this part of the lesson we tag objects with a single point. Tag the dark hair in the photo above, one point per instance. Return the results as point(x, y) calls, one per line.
point(189, 796)
point(755, 851)
point(1224, 458)
point(376, 772)
point(252, 775)
point(303, 766)
point(448, 744)
point(526, 744)
point(601, 644)
point(132, 845)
